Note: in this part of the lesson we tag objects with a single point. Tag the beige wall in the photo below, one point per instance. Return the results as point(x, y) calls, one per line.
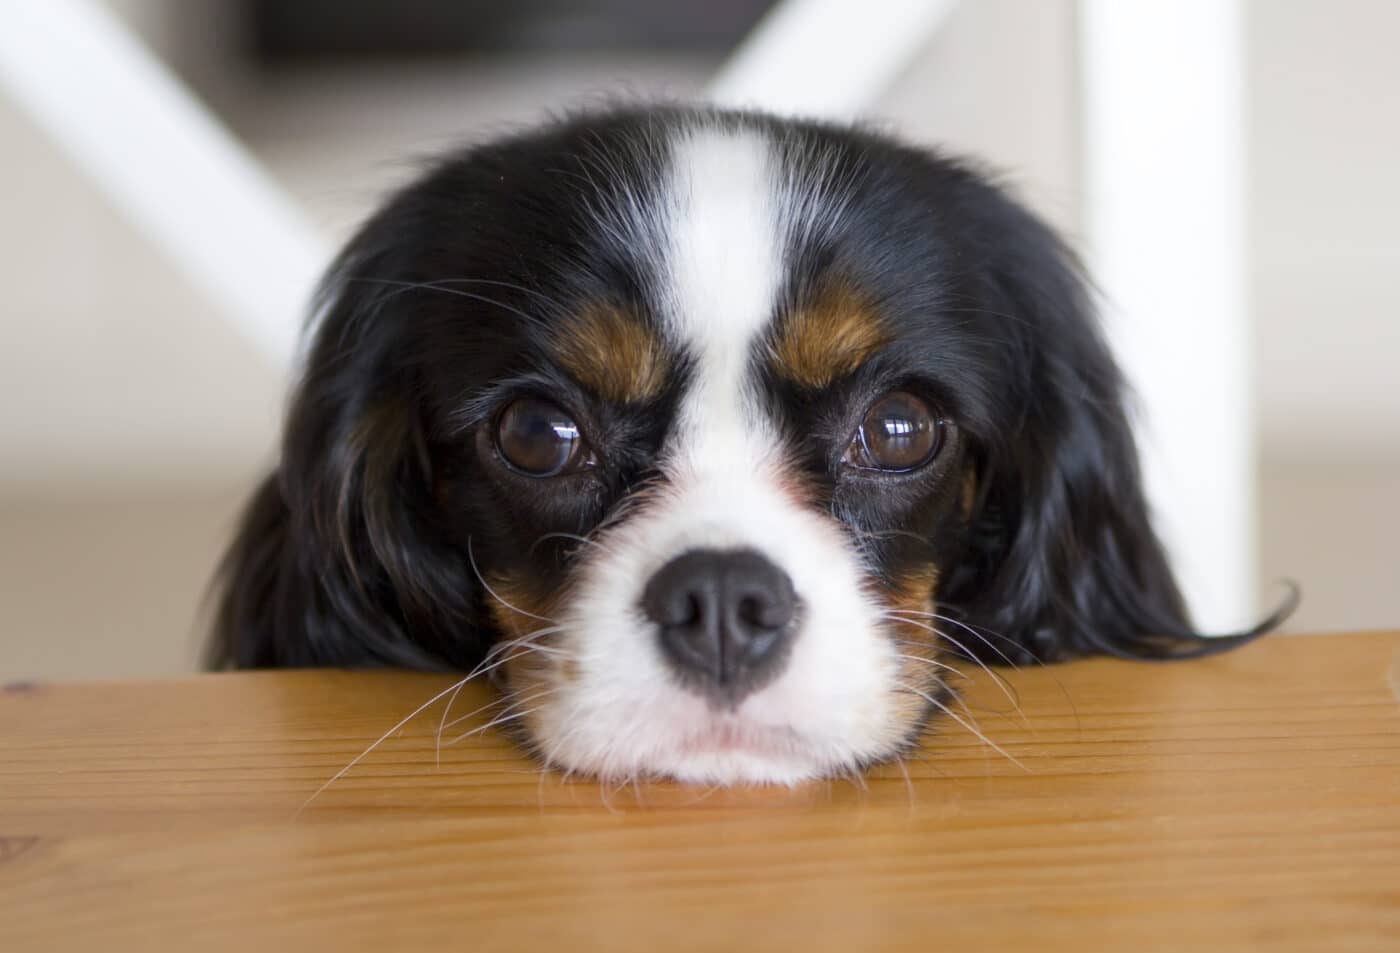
point(1325, 196)
point(997, 82)
point(111, 371)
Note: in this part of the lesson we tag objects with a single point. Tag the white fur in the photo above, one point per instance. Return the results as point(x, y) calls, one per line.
point(726, 215)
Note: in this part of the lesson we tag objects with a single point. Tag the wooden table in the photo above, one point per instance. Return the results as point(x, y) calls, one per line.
point(1247, 801)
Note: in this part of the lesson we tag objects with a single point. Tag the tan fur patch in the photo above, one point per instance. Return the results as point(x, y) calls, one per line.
point(518, 608)
point(913, 589)
point(911, 597)
point(521, 611)
point(827, 337)
point(614, 354)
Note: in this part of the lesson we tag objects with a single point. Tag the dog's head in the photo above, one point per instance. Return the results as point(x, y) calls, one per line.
point(718, 436)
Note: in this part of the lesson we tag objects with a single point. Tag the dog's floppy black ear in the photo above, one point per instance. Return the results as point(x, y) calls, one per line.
point(339, 560)
point(1063, 559)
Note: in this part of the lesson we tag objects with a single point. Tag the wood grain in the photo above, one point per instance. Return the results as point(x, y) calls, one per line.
point(1250, 801)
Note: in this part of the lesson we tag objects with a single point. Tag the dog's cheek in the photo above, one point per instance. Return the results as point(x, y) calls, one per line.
point(910, 598)
point(519, 609)
point(534, 667)
point(524, 616)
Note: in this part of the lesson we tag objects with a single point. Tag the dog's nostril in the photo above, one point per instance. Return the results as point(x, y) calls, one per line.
point(754, 612)
point(770, 608)
point(694, 611)
point(724, 618)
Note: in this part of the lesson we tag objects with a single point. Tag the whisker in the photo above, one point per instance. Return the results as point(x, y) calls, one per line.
point(361, 756)
point(953, 715)
point(702, 796)
point(508, 700)
point(505, 645)
point(933, 662)
point(447, 710)
point(908, 781)
point(502, 719)
point(444, 725)
point(501, 654)
point(970, 630)
point(519, 648)
point(986, 634)
point(573, 537)
point(1016, 705)
point(471, 558)
point(485, 667)
point(604, 797)
point(999, 679)
point(977, 635)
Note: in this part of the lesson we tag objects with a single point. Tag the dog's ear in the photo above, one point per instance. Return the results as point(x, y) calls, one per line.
point(339, 560)
point(1062, 557)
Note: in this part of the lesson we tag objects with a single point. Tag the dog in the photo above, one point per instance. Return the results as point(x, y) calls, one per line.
point(715, 437)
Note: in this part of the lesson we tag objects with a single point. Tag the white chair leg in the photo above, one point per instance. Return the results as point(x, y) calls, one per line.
point(161, 158)
point(826, 58)
point(1163, 141)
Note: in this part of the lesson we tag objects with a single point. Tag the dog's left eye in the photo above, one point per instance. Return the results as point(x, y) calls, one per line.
point(899, 433)
point(538, 439)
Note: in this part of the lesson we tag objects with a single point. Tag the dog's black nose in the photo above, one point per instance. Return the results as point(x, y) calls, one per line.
point(725, 619)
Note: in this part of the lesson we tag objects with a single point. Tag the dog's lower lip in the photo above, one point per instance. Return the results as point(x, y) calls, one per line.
point(731, 736)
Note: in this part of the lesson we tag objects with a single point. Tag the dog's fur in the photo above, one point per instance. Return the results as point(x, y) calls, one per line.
point(714, 299)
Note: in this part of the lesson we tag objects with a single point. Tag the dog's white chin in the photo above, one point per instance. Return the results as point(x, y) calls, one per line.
point(666, 732)
point(714, 755)
point(738, 766)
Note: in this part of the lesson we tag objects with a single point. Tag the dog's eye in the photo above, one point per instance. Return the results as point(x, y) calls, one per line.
point(540, 440)
point(900, 433)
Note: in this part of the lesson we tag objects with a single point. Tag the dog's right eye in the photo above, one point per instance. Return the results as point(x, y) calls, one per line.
point(900, 434)
point(538, 439)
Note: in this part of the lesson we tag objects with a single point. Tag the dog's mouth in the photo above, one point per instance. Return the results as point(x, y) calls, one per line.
point(733, 750)
point(730, 735)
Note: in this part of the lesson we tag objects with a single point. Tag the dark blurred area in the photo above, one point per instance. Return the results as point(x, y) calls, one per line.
point(282, 33)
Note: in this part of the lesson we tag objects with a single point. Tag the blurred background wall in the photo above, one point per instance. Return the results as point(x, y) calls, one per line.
point(133, 421)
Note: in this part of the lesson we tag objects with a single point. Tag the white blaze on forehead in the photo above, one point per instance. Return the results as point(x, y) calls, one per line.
point(723, 264)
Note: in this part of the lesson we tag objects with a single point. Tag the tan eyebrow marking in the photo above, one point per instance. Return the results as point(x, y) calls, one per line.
point(613, 353)
point(827, 336)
